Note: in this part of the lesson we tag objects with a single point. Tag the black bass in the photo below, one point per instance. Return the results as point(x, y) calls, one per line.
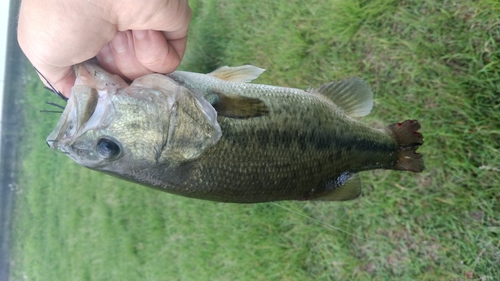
point(217, 137)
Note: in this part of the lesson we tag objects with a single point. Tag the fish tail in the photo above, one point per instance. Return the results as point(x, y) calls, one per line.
point(409, 140)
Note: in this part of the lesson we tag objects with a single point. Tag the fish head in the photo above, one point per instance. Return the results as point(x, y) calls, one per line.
point(116, 127)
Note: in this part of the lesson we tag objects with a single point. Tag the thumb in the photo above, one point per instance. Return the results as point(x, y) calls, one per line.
point(62, 86)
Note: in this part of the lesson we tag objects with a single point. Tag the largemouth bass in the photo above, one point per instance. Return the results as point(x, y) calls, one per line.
point(218, 137)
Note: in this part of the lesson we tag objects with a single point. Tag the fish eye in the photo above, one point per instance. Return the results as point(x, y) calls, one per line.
point(108, 148)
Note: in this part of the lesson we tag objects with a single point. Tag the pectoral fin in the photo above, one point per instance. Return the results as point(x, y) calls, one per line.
point(352, 95)
point(233, 106)
point(243, 74)
point(342, 189)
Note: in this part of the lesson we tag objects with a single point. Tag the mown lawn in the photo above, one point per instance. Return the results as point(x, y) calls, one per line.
point(435, 61)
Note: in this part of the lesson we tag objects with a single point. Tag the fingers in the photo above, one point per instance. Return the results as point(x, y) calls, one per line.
point(132, 54)
point(62, 85)
point(155, 53)
point(119, 57)
point(66, 83)
point(54, 35)
point(130, 39)
point(153, 38)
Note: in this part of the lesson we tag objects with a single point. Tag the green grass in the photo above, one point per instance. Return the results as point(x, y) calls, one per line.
point(435, 61)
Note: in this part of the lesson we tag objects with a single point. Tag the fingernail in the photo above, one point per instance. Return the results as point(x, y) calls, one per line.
point(120, 42)
point(139, 34)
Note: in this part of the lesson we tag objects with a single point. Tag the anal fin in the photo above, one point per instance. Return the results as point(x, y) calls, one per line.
point(342, 189)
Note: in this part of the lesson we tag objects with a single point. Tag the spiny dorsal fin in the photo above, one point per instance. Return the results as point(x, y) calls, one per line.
point(242, 74)
point(233, 106)
point(343, 189)
point(352, 95)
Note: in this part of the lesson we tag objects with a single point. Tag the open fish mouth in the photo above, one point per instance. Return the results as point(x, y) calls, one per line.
point(86, 109)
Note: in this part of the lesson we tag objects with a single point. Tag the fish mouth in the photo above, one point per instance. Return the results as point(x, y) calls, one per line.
point(87, 107)
point(89, 73)
point(80, 107)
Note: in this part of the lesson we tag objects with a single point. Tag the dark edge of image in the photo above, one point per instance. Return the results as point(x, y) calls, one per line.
point(13, 91)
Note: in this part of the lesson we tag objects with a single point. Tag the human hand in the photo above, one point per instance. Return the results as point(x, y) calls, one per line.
point(130, 38)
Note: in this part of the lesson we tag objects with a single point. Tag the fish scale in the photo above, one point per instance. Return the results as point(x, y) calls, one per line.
point(302, 170)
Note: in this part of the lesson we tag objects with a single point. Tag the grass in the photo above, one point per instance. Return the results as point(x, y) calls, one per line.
point(435, 61)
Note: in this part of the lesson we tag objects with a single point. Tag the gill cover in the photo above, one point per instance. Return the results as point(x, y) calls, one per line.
point(193, 126)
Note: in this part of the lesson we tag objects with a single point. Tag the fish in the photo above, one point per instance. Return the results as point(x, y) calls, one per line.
point(219, 137)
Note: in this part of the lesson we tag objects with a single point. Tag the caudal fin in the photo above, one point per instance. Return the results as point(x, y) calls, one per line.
point(409, 139)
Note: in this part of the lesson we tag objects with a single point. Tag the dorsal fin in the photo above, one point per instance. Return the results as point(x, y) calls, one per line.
point(242, 74)
point(352, 95)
